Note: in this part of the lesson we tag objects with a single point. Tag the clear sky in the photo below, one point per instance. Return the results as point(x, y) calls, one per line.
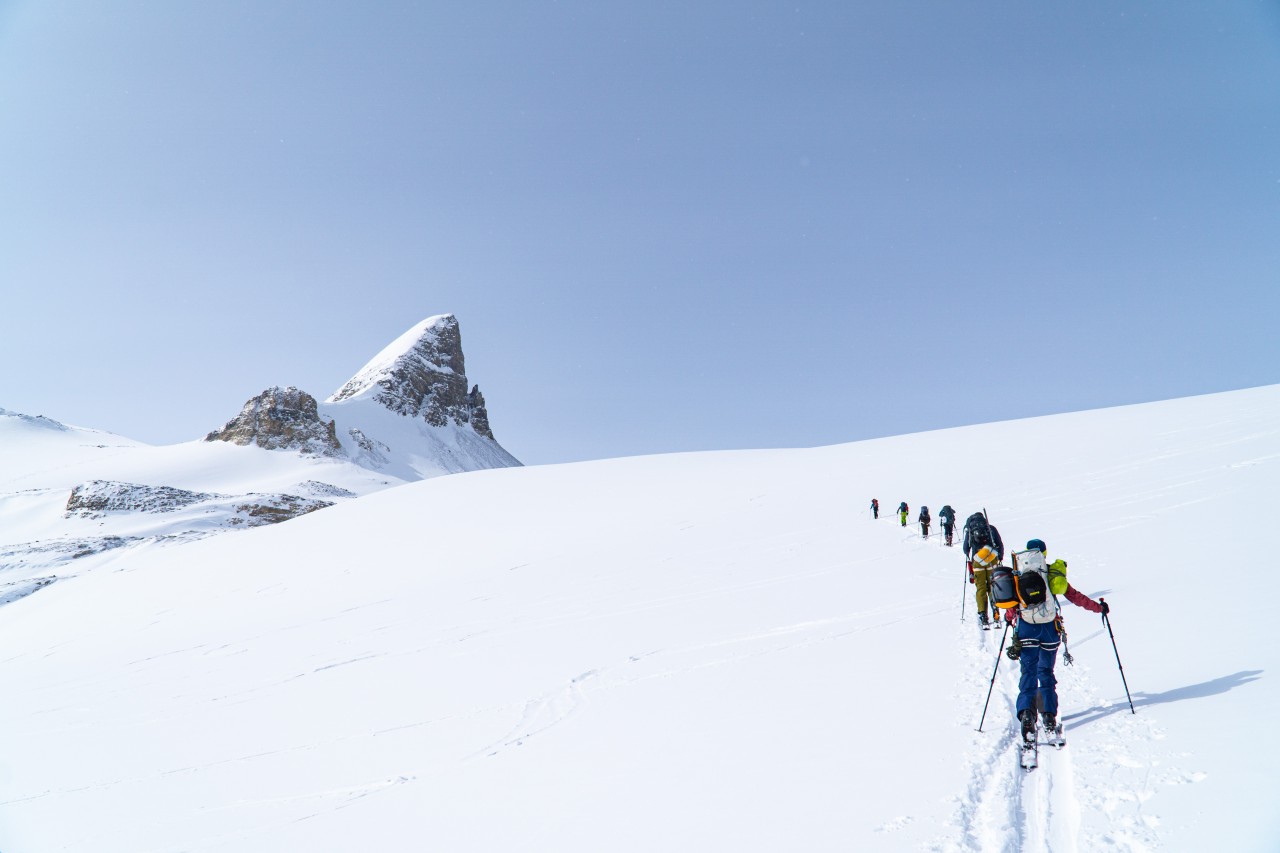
point(663, 225)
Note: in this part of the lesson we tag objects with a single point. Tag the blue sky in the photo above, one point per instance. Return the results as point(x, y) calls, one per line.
point(663, 225)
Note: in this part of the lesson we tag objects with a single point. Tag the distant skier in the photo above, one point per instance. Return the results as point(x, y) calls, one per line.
point(875, 508)
point(903, 509)
point(1039, 632)
point(947, 516)
point(924, 520)
point(983, 550)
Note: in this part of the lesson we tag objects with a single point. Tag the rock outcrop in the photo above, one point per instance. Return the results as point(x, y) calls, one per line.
point(423, 375)
point(99, 498)
point(281, 419)
point(92, 499)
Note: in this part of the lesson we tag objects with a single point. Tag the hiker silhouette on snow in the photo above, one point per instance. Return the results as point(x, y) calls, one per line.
point(947, 516)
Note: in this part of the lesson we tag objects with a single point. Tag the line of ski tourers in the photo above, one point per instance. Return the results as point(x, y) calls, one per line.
point(1023, 595)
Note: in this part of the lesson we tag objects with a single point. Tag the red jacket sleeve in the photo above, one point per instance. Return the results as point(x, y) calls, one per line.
point(1079, 599)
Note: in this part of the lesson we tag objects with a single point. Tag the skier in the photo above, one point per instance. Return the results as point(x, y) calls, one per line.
point(983, 549)
point(924, 520)
point(947, 516)
point(875, 508)
point(902, 513)
point(1037, 636)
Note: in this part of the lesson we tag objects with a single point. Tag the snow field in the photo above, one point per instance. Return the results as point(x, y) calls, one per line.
point(697, 651)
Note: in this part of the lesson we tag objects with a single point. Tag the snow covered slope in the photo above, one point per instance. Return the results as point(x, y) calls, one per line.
point(715, 651)
point(45, 465)
point(36, 444)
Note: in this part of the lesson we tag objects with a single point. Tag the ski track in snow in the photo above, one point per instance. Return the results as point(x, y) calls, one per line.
point(542, 714)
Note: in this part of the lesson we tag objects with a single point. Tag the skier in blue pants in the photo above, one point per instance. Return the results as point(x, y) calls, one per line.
point(1038, 652)
point(1035, 646)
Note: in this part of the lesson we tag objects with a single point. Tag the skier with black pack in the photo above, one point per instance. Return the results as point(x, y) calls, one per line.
point(983, 550)
point(924, 520)
point(903, 509)
point(1038, 633)
point(947, 516)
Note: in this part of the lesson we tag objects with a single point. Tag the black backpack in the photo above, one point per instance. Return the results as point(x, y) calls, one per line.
point(1030, 573)
point(979, 531)
point(1031, 588)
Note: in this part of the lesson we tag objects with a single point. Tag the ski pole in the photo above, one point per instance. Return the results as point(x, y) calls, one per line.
point(993, 676)
point(964, 593)
point(1125, 681)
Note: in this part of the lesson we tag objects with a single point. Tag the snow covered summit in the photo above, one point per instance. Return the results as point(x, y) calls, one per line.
point(409, 412)
point(422, 374)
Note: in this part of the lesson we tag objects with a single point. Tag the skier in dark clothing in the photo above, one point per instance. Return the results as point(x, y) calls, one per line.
point(983, 550)
point(902, 513)
point(1037, 637)
point(947, 516)
point(875, 508)
point(924, 520)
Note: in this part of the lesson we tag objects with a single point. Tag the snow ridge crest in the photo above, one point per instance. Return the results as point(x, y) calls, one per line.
point(35, 420)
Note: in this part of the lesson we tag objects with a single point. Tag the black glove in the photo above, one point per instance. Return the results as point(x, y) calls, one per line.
point(1106, 608)
point(1015, 648)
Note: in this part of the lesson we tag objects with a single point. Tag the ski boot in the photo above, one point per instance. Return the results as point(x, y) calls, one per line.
point(1028, 718)
point(1050, 721)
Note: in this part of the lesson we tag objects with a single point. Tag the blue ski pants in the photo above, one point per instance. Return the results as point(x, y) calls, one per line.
point(1039, 654)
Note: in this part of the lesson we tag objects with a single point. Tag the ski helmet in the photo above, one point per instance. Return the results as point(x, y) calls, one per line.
point(1037, 545)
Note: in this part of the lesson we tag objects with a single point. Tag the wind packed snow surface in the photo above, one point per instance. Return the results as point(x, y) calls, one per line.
point(716, 651)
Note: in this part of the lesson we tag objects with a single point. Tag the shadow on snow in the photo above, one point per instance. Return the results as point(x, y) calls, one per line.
point(1178, 694)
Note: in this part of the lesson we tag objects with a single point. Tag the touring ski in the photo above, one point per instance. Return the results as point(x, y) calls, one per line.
point(1029, 750)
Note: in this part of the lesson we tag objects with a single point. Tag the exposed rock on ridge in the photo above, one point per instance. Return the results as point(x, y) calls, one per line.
point(282, 419)
point(97, 498)
point(89, 500)
point(423, 375)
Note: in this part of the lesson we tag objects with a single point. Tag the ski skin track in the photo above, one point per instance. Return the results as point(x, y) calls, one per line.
point(1007, 807)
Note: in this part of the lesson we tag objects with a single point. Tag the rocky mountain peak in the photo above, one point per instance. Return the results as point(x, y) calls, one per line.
point(422, 374)
point(281, 419)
